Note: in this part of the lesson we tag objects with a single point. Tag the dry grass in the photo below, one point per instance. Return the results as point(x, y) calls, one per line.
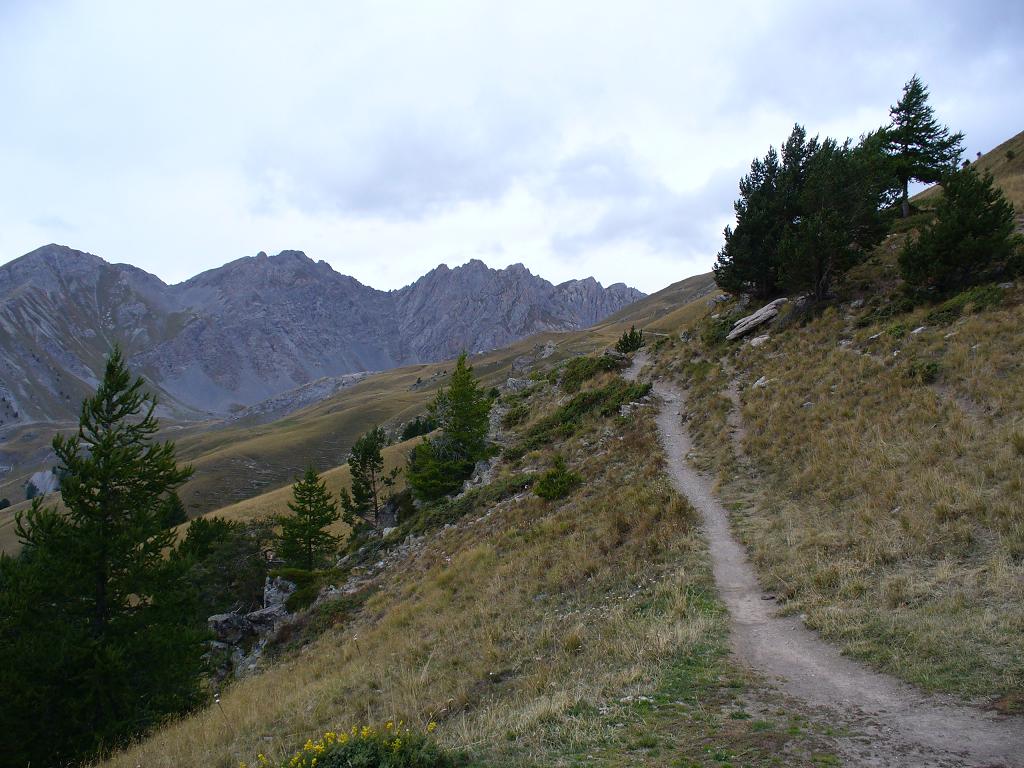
point(1006, 162)
point(521, 631)
point(888, 510)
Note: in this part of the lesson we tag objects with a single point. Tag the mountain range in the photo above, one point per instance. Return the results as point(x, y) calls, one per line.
point(239, 334)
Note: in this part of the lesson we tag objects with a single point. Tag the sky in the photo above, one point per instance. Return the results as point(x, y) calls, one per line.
point(579, 138)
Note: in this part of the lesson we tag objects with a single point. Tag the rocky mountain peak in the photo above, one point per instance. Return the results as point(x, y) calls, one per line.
point(258, 326)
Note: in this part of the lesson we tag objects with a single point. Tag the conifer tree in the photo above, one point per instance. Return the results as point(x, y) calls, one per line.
point(438, 466)
point(921, 149)
point(369, 480)
point(97, 633)
point(970, 240)
point(839, 219)
point(304, 542)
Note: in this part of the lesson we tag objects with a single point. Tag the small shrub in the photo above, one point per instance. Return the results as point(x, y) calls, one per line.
point(558, 482)
point(367, 747)
point(568, 418)
point(924, 371)
point(896, 330)
point(714, 331)
point(308, 585)
point(5, 503)
point(1010, 155)
point(581, 369)
point(514, 416)
point(630, 341)
point(975, 299)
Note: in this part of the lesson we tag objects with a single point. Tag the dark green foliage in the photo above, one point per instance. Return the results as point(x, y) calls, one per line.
point(30, 491)
point(304, 542)
point(439, 465)
point(515, 415)
point(369, 481)
point(975, 299)
point(767, 207)
point(226, 562)
point(970, 241)
point(173, 511)
point(630, 341)
point(558, 482)
point(97, 639)
point(567, 419)
point(421, 425)
point(581, 369)
point(368, 747)
point(839, 202)
point(5, 503)
point(919, 147)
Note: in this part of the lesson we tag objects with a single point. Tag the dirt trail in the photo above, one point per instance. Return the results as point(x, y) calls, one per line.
point(891, 723)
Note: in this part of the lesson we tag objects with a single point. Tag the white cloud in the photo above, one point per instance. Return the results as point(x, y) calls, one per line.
point(577, 137)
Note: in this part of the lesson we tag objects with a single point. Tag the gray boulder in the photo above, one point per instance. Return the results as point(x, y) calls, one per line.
point(762, 316)
point(231, 628)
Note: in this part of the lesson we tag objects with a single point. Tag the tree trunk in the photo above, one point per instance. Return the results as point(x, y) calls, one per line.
point(905, 203)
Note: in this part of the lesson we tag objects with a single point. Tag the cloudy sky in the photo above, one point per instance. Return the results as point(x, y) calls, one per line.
point(580, 138)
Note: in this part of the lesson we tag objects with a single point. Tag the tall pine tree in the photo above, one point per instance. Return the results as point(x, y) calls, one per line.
point(920, 148)
point(98, 639)
point(305, 542)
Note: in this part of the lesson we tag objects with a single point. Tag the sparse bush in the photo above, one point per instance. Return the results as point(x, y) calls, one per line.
point(714, 330)
point(924, 371)
point(308, 584)
point(972, 300)
point(514, 416)
point(392, 746)
point(5, 503)
point(558, 482)
point(566, 420)
point(581, 369)
point(30, 491)
point(1010, 155)
point(630, 341)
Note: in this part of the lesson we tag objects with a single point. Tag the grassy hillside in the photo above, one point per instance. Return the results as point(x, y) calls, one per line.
point(877, 473)
point(1006, 163)
point(575, 632)
point(237, 462)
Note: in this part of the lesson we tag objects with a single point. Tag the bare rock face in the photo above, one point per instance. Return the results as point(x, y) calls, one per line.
point(252, 330)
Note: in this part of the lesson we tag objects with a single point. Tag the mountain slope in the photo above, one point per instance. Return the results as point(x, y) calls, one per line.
point(254, 328)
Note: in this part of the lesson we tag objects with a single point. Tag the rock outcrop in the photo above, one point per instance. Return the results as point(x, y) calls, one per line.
point(762, 316)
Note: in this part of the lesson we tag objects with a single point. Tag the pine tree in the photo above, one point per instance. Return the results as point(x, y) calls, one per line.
point(765, 211)
point(438, 466)
point(97, 638)
point(369, 481)
point(839, 219)
point(304, 543)
point(970, 240)
point(921, 149)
